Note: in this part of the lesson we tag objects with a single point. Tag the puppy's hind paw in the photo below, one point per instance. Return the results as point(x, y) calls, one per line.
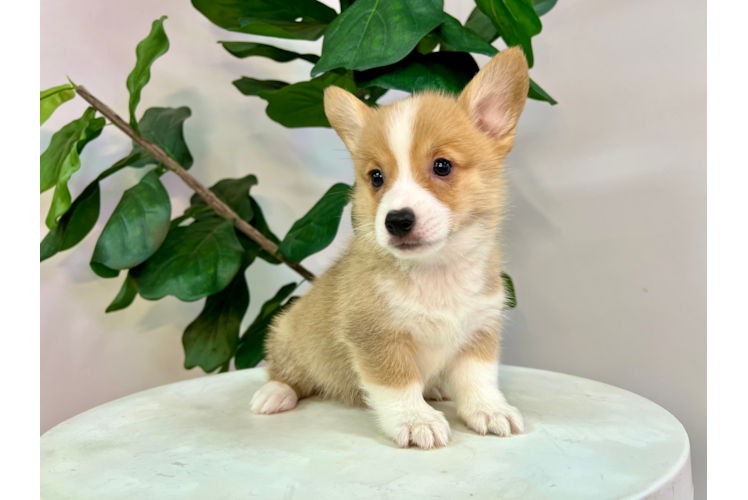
point(435, 393)
point(274, 397)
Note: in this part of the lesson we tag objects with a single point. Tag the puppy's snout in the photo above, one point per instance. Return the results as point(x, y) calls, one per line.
point(400, 222)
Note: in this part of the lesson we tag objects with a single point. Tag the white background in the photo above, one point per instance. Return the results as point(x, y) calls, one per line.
point(606, 239)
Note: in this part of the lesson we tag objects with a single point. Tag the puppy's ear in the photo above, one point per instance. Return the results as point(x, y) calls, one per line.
point(346, 114)
point(494, 98)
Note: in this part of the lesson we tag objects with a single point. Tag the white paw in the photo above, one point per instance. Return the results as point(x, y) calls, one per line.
point(435, 393)
point(405, 417)
point(274, 397)
point(496, 417)
point(425, 428)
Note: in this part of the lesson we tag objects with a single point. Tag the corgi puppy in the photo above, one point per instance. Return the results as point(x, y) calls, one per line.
point(412, 309)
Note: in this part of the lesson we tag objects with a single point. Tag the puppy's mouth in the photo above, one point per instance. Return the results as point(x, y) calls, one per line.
point(413, 246)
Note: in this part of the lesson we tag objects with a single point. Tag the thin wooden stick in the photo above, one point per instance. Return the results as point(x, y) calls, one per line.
point(206, 194)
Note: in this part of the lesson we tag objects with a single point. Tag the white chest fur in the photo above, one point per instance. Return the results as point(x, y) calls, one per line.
point(443, 306)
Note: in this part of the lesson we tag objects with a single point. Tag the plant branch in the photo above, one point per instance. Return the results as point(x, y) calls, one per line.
point(206, 194)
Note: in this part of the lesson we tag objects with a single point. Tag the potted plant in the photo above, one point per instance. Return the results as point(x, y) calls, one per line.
point(369, 48)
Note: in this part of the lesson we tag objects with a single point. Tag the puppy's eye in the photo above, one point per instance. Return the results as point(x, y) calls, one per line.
point(442, 167)
point(377, 179)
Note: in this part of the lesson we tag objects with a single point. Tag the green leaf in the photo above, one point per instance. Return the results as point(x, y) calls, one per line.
point(447, 71)
point(93, 130)
point(318, 227)
point(511, 299)
point(45, 94)
point(301, 30)
point(60, 161)
point(460, 39)
point(370, 94)
point(131, 160)
point(259, 223)
point(481, 25)
point(125, 296)
point(190, 213)
point(428, 43)
point(212, 338)
point(543, 6)
point(250, 49)
point(524, 14)
point(102, 271)
point(295, 19)
point(50, 100)
point(233, 192)
point(454, 37)
point(148, 50)
point(373, 33)
point(164, 127)
point(193, 262)
point(60, 148)
point(344, 4)
point(302, 104)
point(137, 227)
point(226, 13)
point(539, 94)
point(251, 86)
point(82, 215)
point(75, 224)
point(515, 20)
point(251, 348)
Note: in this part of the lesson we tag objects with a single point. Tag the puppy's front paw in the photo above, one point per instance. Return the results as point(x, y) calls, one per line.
point(496, 417)
point(425, 428)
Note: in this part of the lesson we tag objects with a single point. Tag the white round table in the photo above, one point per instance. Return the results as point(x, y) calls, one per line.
point(198, 440)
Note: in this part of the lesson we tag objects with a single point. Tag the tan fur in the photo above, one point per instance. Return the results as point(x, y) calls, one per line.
point(483, 347)
point(343, 332)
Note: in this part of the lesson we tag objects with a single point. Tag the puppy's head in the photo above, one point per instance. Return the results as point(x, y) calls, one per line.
point(429, 166)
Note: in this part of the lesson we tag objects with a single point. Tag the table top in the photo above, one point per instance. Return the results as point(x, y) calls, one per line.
point(198, 439)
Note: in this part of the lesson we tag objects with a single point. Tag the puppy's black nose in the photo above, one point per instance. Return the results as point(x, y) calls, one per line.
point(400, 222)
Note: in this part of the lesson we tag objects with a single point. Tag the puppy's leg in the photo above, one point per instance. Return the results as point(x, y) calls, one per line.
point(394, 390)
point(473, 381)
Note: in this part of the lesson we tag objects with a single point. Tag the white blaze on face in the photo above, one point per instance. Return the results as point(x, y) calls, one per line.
point(432, 216)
